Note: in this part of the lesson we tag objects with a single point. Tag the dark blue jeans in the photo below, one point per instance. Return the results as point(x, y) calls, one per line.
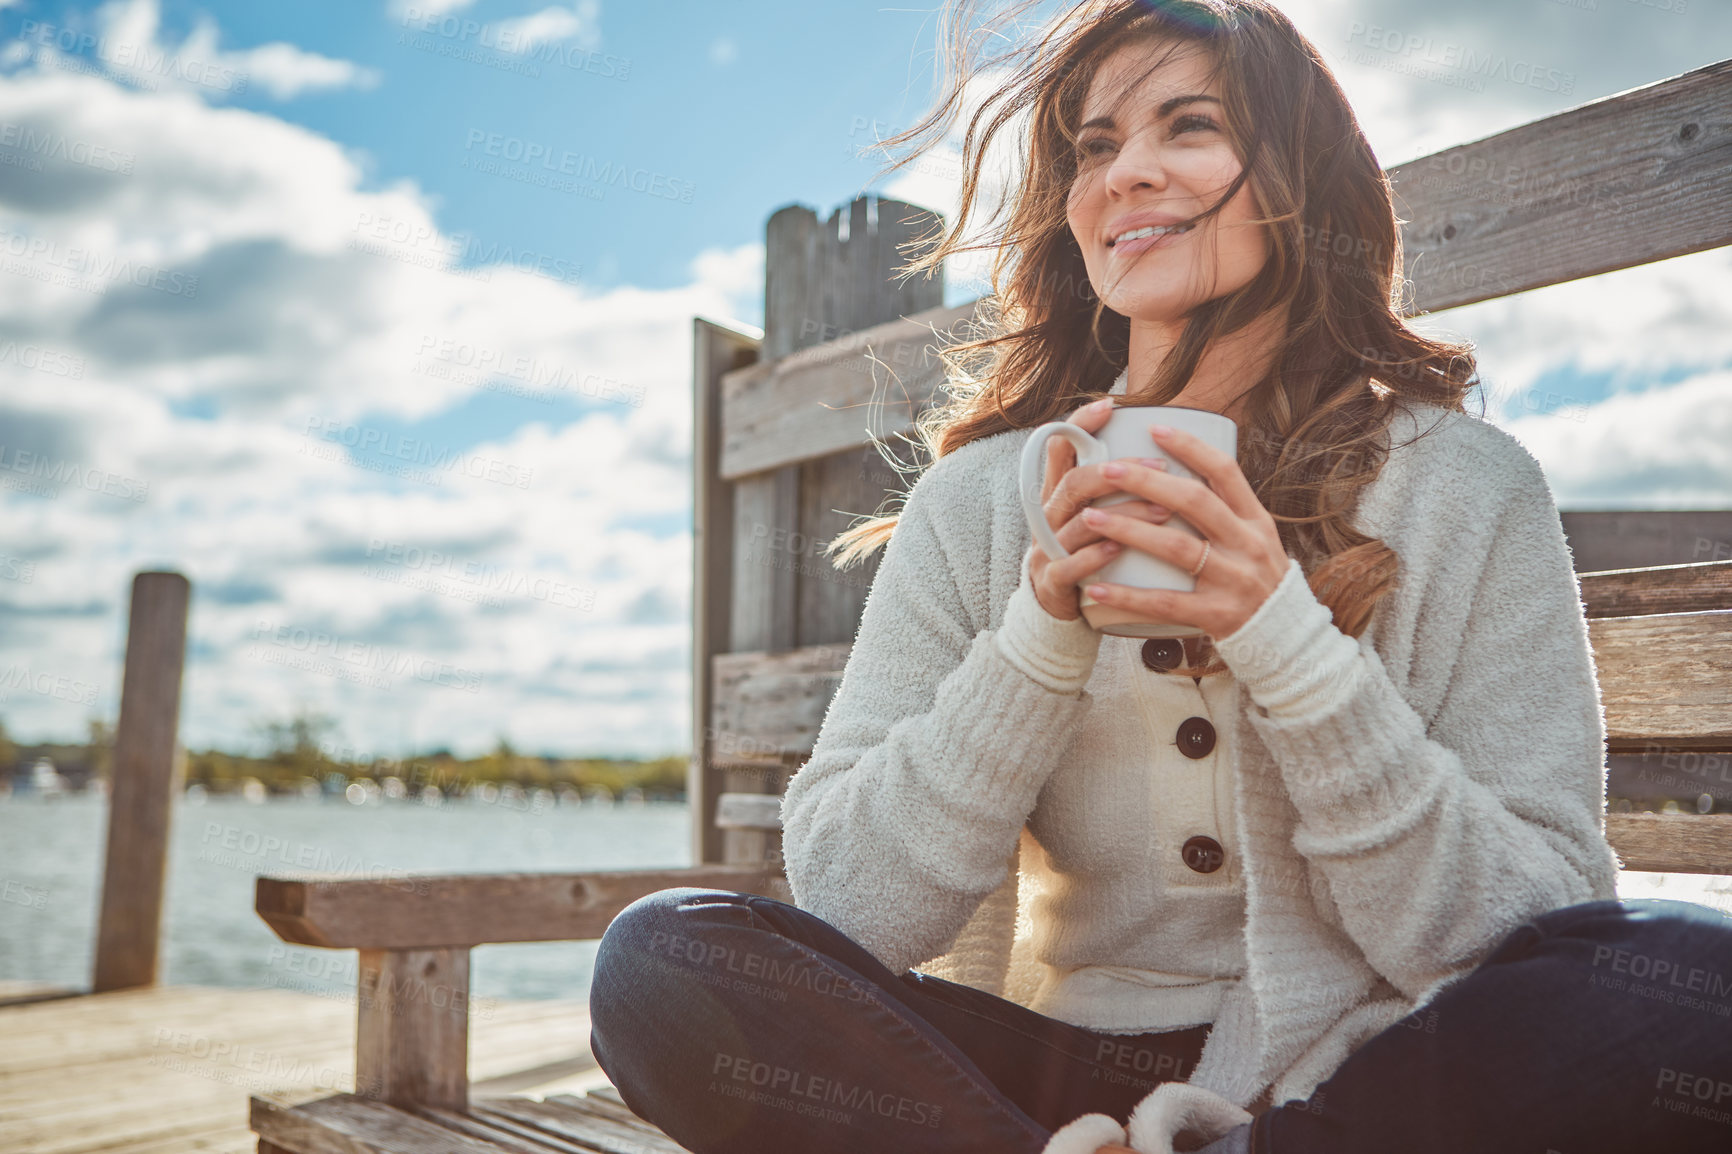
point(740, 1023)
point(744, 1025)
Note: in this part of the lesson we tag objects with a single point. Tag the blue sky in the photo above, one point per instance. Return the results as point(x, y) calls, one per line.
point(753, 104)
point(326, 305)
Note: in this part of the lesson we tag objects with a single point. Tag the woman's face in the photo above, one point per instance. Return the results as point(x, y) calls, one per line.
point(1159, 156)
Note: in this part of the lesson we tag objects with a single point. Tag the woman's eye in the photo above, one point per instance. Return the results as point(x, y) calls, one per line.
point(1194, 119)
point(1093, 147)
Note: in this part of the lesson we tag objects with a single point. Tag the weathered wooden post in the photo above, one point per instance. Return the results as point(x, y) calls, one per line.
point(824, 281)
point(716, 349)
point(141, 793)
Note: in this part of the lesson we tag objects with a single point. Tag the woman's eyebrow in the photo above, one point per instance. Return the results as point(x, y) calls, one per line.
point(1166, 109)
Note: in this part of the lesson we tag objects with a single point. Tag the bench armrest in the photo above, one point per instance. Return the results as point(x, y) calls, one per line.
point(437, 911)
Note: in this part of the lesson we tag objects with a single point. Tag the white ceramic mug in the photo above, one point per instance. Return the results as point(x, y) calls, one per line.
point(1125, 435)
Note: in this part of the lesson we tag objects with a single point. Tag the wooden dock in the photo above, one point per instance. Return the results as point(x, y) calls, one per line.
point(169, 1069)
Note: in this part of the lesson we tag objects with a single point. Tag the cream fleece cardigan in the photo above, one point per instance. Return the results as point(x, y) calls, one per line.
point(1401, 801)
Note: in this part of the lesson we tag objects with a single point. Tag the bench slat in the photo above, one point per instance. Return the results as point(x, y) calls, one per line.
point(1672, 842)
point(1690, 588)
point(505, 1140)
point(437, 911)
point(583, 1125)
point(1665, 680)
point(348, 1124)
point(767, 706)
point(749, 811)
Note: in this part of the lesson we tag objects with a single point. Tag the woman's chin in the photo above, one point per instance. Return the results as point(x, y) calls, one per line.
point(1150, 308)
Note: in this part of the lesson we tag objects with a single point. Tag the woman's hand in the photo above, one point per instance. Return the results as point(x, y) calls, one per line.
point(1246, 559)
point(1064, 492)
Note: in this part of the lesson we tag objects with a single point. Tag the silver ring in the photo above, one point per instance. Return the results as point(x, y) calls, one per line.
point(1203, 560)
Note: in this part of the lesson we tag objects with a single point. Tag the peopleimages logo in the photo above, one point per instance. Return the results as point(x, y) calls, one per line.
point(516, 39)
point(349, 659)
point(45, 144)
point(385, 443)
point(565, 162)
point(147, 60)
point(1425, 50)
point(48, 255)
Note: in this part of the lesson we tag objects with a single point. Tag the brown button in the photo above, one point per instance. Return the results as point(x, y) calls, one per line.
point(1163, 653)
point(1196, 737)
point(1203, 854)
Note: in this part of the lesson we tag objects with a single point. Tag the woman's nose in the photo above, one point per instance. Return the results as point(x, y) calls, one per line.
point(1137, 165)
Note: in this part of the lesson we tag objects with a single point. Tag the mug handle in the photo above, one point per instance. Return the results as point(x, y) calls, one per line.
point(1089, 451)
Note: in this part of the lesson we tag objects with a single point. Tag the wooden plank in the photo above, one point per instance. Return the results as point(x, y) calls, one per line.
point(1635, 177)
point(836, 492)
point(829, 398)
point(766, 575)
point(716, 349)
point(1666, 678)
point(568, 1121)
point(1672, 842)
point(770, 706)
point(163, 1070)
point(749, 811)
point(19, 993)
point(1660, 772)
point(515, 1138)
point(432, 911)
point(1602, 539)
point(349, 1124)
point(144, 783)
point(766, 595)
point(1690, 588)
point(38, 1063)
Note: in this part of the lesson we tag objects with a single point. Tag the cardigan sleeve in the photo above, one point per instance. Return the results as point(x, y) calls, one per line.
point(1438, 840)
point(939, 736)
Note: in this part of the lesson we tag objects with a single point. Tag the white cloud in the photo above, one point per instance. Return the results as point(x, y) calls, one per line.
point(321, 306)
point(128, 47)
point(1664, 447)
point(1618, 384)
point(580, 24)
point(286, 71)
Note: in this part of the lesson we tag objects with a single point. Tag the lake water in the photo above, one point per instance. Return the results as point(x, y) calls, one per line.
point(51, 861)
point(51, 853)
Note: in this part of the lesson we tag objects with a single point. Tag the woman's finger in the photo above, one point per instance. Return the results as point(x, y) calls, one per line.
point(1083, 561)
point(1193, 499)
point(1218, 469)
point(1061, 454)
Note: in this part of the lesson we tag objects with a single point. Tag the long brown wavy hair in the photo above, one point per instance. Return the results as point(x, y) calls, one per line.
point(1311, 431)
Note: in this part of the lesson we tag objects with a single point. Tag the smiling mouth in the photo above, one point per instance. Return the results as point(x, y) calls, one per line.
point(1141, 233)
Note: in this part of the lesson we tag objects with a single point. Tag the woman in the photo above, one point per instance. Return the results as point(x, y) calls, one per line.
point(1331, 877)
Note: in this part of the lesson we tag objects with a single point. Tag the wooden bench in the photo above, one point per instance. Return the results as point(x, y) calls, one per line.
point(1662, 640)
point(782, 460)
